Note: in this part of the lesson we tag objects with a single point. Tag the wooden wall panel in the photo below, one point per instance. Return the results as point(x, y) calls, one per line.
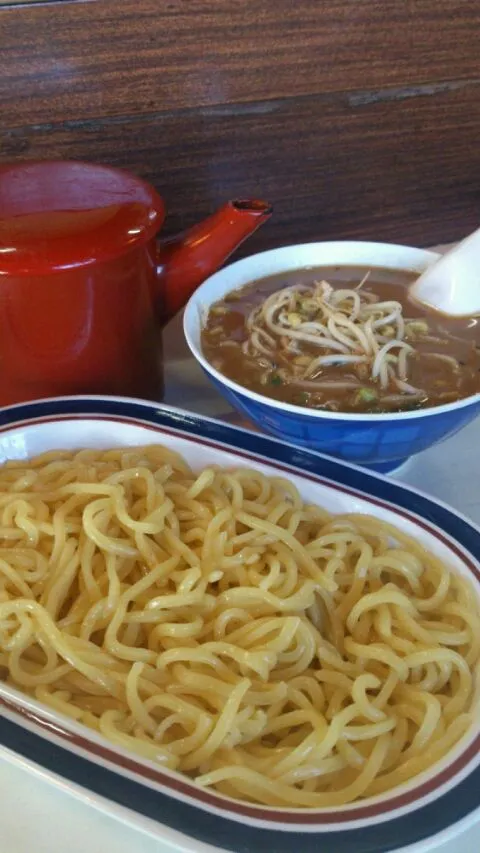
point(73, 60)
point(386, 170)
point(357, 118)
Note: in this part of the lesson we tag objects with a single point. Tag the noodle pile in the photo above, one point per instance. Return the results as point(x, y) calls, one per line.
point(299, 331)
point(218, 626)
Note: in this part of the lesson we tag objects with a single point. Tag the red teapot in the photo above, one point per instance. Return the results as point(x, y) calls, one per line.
point(84, 284)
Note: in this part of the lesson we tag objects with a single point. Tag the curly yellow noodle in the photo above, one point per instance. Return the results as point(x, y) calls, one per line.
point(214, 623)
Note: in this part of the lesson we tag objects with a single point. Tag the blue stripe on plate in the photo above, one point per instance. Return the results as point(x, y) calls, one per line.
point(379, 838)
point(237, 837)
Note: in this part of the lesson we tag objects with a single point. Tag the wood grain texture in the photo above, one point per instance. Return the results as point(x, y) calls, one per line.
point(77, 60)
point(356, 118)
point(400, 170)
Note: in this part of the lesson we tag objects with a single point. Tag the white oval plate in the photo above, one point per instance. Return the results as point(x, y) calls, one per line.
point(449, 793)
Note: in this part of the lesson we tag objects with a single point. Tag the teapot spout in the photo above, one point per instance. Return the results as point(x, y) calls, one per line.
point(187, 260)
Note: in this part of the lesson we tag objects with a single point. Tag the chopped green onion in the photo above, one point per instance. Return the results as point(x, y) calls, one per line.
point(416, 327)
point(294, 319)
point(302, 398)
point(275, 379)
point(365, 395)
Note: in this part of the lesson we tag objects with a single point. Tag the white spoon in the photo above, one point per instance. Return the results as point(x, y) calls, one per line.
point(452, 284)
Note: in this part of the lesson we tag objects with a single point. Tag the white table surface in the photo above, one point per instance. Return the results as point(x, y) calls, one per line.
point(37, 817)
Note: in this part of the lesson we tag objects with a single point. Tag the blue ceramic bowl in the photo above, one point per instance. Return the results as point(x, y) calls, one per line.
point(381, 442)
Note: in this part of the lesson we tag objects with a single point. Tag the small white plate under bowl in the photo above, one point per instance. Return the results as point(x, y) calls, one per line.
point(433, 806)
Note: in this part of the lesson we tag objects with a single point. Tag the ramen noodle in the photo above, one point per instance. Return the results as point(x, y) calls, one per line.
point(219, 626)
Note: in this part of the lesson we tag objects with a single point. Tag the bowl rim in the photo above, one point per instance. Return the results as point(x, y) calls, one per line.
point(191, 321)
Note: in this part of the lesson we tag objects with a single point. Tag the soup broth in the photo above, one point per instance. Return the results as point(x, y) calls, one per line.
point(342, 339)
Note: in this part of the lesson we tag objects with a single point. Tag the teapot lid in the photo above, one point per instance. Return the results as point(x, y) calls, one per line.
point(55, 215)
